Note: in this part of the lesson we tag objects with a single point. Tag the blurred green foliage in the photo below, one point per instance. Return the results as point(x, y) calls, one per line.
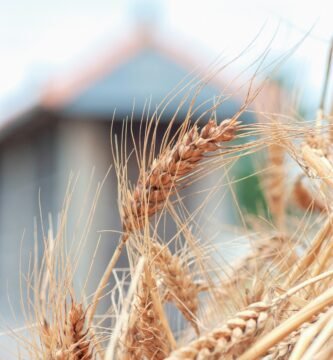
point(248, 189)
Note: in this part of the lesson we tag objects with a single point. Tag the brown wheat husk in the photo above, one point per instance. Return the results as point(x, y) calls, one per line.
point(144, 337)
point(71, 340)
point(232, 338)
point(316, 306)
point(178, 282)
point(171, 169)
point(237, 335)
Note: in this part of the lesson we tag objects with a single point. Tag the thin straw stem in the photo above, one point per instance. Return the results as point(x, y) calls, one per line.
point(105, 278)
point(280, 332)
point(109, 354)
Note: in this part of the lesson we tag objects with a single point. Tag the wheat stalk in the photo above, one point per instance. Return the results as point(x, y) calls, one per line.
point(316, 306)
point(305, 335)
point(294, 346)
point(310, 255)
point(154, 186)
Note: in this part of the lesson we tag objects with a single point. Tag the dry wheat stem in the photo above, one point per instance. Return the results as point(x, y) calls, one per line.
point(322, 261)
point(158, 308)
point(105, 278)
point(326, 353)
point(296, 343)
point(123, 318)
point(310, 255)
point(319, 342)
point(280, 332)
point(306, 283)
point(306, 336)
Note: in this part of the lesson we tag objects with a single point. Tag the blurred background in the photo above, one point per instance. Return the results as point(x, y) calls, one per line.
point(69, 67)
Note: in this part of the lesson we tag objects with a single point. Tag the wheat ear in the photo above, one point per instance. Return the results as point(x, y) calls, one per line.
point(155, 185)
point(238, 332)
point(72, 340)
point(178, 282)
point(171, 168)
point(265, 252)
point(76, 334)
point(145, 336)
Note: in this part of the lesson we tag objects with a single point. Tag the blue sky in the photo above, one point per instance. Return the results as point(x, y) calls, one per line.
point(39, 37)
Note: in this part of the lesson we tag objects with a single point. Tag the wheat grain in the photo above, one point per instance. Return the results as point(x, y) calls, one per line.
point(69, 341)
point(76, 335)
point(178, 282)
point(236, 334)
point(170, 169)
point(144, 337)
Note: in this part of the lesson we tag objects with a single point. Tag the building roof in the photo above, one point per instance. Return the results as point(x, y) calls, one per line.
point(140, 68)
point(137, 70)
